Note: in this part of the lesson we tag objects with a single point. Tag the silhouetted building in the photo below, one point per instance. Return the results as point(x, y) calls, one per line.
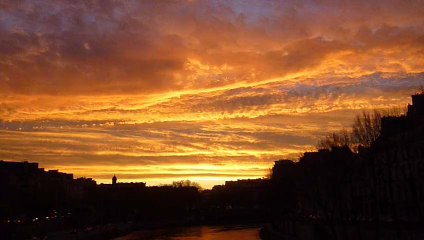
point(283, 169)
point(236, 201)
point(248, 184)
point(397, 160)
point(114, 179)
point(416, 110)
point(325, 178)
point(381, 186)
point(82, 188)
point(28, 191)
point(19, 175)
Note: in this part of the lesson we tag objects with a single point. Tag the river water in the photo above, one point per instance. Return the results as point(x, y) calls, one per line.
point(197, 233)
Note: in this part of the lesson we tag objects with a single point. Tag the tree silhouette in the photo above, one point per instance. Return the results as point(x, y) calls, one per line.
point(364, 130)
point(186, 183)
point(336, 139)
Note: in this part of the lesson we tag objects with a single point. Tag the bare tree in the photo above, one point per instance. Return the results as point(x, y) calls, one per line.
point(269, 174)
point(366, 128)
point(186, 183)
point(336, 139)
point(364, 131)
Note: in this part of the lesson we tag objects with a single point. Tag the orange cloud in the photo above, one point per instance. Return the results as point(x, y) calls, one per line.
point(130, 84)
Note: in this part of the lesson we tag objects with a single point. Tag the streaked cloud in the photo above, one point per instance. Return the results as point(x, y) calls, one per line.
point(134, 86)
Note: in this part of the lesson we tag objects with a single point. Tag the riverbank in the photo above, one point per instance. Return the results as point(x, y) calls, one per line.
point(108, 231)
point(112, 231)
point(352, 230)
point(245, 232)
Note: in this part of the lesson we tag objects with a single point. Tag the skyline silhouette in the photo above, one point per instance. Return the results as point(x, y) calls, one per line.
point(343, 190)
point(277, 119)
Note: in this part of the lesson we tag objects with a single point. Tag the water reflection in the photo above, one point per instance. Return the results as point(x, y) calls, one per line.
point(197, 233)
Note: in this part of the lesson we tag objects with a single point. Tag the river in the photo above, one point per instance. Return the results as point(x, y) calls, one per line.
point(240, 232)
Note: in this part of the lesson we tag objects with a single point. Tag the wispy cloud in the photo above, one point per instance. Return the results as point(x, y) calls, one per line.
point(152, 83)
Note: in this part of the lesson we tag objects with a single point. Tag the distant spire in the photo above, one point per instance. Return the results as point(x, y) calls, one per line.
point(114, 179)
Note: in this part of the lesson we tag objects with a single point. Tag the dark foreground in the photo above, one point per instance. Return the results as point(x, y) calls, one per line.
point(245, 232)
point(160, 230)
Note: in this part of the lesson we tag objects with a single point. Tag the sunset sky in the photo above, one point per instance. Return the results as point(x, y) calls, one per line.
point(158, 91)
